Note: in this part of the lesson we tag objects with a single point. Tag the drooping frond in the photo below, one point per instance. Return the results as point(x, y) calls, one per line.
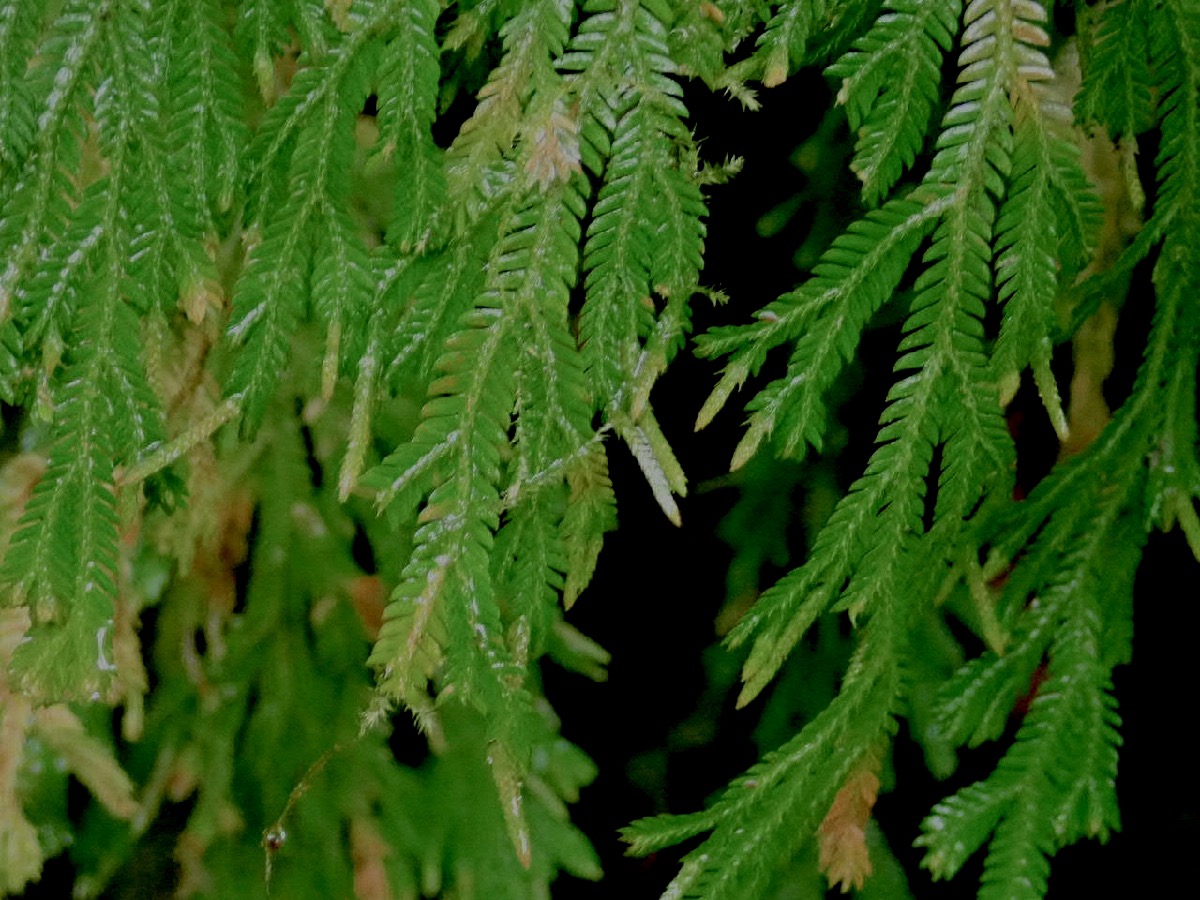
point(1171, 360)
point(626, 250)
point(457, 450)
point(257, 212)
point(335, 76)
point(1069, 596)
point(438, 288)
point(203, 106)
point(1116, 77)
point(1168, 32)
point(62, 562)
point(890, 88)
point(63, 559)
point(40, 194)
point(408, 80)
point(311, 244)
point(1057, 781)
point(781, 46)
point(467, 579)
point(1174, 487)
point(1174, 44)
point(1051, 198)
point(828, 312)
point(880, 519)
point(1004, 199)
point(19, 27)
point(171, 260)
point(646, 236)
point(591, 512)
point(759, 819)
point(479, 159)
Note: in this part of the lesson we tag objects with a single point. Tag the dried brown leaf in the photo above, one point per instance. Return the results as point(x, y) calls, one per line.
point(842, 838)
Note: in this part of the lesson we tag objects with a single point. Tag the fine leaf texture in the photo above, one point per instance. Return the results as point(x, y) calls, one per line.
point(431, 262)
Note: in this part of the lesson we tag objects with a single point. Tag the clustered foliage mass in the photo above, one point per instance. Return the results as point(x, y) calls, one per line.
point(272, 267)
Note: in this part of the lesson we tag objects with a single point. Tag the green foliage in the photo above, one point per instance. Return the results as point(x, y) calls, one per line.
point(290, 218)
point(1005, 200)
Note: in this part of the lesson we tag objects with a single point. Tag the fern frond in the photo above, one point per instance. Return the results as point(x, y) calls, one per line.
point(646, 836)
point(945, 331)
point(853, 279)
point(262, 30)
point(1168, 375)
point(1174, 485)
point(341, 275)
point(1175, 54)
point(1057, 781)
point(643, 119)
point(618, 258)
point(203, 105)
point(341, 288)
point(767, 813)
point(267, 308)
point(339, 79)
point(446, 587)
point(591, 512)
point(408, 87)
point(1174, 81)
point(456, 453)
point(139, 181)
point(19, 26)
point(552, 396)
point(974, 706)
point(781, 47)
point(890, 87)
point(136, 424)
point(478, 596)
point(665, 340)
point(657, 461)
point(432, 295)
point(476, 160)
point(1051, 199)
point(51, 296)
point(1162, 383)
point(877, 555)
point(170, 256)
point(1116, 77)
point(883, 513)
point(62, 560)
point(527, 565)
point(1088, 517)
point(366, 395)
point(877, 521)
point(632, 132)
point(41, 195)
point(310, 236)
